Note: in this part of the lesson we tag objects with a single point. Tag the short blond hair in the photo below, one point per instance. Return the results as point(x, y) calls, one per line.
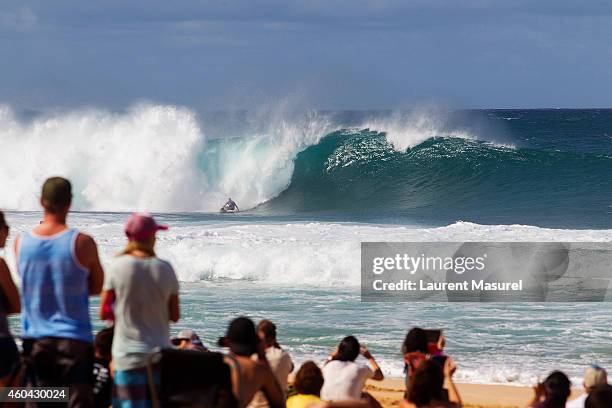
point(594, 376)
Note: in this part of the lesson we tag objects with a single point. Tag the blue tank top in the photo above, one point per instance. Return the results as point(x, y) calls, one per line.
point(54, 287)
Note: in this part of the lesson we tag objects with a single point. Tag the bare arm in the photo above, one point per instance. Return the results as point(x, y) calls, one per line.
point(87, 255)
point(272, 390)
point(173, 308)
point(8, 288)
point(378, 374)
point(453, 393)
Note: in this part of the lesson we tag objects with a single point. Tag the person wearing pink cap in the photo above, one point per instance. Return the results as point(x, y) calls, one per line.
point(145, 291)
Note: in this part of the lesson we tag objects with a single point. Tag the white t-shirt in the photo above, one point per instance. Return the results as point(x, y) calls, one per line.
point(577, 402)
point(281, 365)
point(344, 380)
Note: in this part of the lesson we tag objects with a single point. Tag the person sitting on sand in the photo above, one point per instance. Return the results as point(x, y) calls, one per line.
point(426, 388)
point(415, 350)
point(250, 375)
point(344, 378)
point(55, 259)
point(308, 383)
point(9, 304)
point(593, 376)
point(146, 290)
point(599, 397)
point(553, 392)
point(278, 359)
point(188, 340)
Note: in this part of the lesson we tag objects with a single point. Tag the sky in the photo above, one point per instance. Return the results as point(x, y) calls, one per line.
point(328, 54)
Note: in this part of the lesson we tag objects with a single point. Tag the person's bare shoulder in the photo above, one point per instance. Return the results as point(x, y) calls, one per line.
point(84, 242)
point(262, 368)
point(86, 249)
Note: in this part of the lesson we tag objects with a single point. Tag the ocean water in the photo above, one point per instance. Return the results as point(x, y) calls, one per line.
point(313, 186)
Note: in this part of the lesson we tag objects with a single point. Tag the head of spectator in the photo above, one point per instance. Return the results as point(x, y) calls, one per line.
point(593, 377)
point(4, 230)
point(241, 337)
point(140, 230)
point(56, 197)
point(416, 340)
point(188, 340)
point(266, 330)
point(553, 391)
point(309, 379)
point(426, 384)
point(600, 396)
point(103, 343)
point(348, 349)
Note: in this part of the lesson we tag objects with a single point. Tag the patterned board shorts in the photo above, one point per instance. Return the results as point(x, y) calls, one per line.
point(131, 389)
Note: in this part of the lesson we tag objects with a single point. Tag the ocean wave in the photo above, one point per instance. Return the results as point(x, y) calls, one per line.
point(413, 165)
point(151, 157)
point(317, 254)
point(305, 277)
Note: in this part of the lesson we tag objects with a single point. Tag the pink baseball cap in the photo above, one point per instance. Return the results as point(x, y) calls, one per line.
point(141, 226)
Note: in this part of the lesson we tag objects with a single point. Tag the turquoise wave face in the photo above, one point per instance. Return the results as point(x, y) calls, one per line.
point(445, 179)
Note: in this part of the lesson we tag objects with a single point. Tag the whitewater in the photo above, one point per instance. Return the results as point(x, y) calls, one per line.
point(315, 185)
point(147, 158)
point(161, 158)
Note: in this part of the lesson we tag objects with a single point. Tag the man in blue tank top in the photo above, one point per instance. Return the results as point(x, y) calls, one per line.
point(59, 269)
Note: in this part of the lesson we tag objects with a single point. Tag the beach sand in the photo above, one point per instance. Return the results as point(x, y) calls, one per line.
point(390, 391)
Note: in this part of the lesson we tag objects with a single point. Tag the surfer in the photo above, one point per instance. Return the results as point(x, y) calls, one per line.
point(230, 206)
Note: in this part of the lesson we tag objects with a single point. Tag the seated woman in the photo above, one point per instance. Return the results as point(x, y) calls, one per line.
point(250, 375)
point(415, 350)
point(553, 392)
point(426, 389)
point(344, 378)
point(308, 383)
point(279, 360)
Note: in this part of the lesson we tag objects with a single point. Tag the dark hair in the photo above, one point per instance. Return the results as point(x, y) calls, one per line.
point(56, 194)
point(416, 340)
point(556, 387)
point(104, 341)
point(309, 379)
point(268, 329)
point(426, 383)
point(2, 220)
point(600, 396)
point(241, 336)
point(348, 350)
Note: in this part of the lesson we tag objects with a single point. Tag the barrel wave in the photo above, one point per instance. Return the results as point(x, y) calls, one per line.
point(446, 179)
point(538, 167)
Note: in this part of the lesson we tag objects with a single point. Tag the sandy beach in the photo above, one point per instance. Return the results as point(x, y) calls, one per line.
point(390, 391)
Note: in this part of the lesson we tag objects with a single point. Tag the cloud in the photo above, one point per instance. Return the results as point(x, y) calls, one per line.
point(19, 19)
